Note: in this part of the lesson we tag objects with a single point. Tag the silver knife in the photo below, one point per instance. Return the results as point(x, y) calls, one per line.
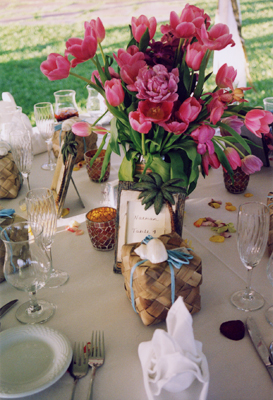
point(259, 344)
point(6, 307)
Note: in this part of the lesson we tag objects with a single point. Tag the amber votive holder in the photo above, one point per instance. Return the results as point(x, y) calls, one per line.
point(101, 227)
point(94, 172)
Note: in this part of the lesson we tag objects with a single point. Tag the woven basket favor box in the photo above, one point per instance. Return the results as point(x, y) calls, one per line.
point(151, 283)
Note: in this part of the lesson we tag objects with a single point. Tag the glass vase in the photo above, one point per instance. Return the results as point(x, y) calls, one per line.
point(65, 105)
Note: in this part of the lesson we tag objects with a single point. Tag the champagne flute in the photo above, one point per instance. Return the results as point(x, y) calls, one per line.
point(27, 267)
point(252, 236)
point(21, 148)
point(44, 117)
point(41, 209)
point(269, 272)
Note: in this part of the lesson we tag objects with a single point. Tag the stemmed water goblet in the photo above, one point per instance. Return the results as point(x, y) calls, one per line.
point(269, 273)
point(252, 236)
point(27, 267)
point(41, 209)
point(44, 117)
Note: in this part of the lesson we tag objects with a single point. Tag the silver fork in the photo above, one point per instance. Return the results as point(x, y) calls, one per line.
point(96, 355)
point(79, 367)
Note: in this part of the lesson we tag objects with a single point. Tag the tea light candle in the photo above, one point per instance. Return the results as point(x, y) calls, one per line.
point(101, 226)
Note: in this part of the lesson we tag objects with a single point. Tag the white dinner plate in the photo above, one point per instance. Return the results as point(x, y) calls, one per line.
point(32, 359)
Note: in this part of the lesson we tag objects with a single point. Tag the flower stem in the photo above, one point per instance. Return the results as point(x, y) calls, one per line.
point(102, 53)
point(143, 144)
point(229, 143)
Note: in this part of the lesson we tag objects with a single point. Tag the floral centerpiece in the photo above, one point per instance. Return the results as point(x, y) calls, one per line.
point(162, 114)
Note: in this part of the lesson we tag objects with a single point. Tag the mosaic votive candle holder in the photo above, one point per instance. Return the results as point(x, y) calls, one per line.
point(240, 181)
point(101, 227)
point(94, 172)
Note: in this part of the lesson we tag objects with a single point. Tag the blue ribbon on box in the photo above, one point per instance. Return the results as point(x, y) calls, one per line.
point(271, 198)
point(176, 259)
point(6, 212)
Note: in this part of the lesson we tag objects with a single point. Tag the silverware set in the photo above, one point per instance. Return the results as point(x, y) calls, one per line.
point(87, 355)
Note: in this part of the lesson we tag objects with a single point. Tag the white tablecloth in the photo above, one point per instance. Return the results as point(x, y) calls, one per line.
point(94, 297)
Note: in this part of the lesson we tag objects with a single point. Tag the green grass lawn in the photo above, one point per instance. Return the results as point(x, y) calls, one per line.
point(24, 47)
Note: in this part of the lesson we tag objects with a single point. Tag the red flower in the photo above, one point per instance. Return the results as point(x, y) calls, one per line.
point(257, 121)
point(55, 67)
point(155, 112)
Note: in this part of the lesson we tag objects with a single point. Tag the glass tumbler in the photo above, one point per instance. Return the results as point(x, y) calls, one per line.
point(65, 105)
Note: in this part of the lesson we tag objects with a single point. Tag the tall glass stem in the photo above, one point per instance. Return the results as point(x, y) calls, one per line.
point(34, 306)
point(248, 290)
point(49, 146)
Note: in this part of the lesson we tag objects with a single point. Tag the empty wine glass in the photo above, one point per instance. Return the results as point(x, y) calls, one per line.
point(21, 148)
point(269, 273)
point(44, 117)
point(41, 209)
point(27, 267)
point(252, 236)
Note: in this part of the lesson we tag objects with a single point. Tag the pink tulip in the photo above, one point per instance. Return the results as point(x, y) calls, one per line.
point(233, 157)
point(129, 56)
point(217, 38)
point(82, 129)
point(176, 127)
point(98, 27)
point(225, 77)
point(114, 92)
point(180, 27)
point(234, 122)
point(82, 50)
point(194, 56)
point(189, 110)
point(55, 67)
point(203, 135)
point(251, 164)
point(139, 26)
point(155, 112)
point(210, 159)
point(257, 121)
point(138, 123)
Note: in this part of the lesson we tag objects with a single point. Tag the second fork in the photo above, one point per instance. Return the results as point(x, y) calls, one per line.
point(96, 355)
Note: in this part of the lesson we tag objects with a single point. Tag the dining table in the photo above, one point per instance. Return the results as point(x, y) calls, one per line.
point(94, 297)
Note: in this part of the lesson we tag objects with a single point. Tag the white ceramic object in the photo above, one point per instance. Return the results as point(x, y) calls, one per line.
point(4, 148)
point(32, 359)
point(154, 251)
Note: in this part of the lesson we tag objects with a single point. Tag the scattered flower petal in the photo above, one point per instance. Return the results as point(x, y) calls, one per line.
point(199, 222)
point(248, 194)
point(217, 239)
point(65, 212)
point(79, 232)
point(214, 204)
point(230, 207)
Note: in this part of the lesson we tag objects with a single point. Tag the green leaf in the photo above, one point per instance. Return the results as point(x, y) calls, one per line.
point(105, 161)
point(144, 185)
point(125, 172)
point(222, 158)
point(238, 138)
point(114, 137)
point(168, 196)
point(161, 167)
point(144, 41)
point(158, 203)
point(201, 76)
point(157, 179)
point(99, 150)
point(145, 177)
point(149, 196)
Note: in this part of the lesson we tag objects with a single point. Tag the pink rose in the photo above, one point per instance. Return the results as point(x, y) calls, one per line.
point(257, 121)
point(114, 92)
point(55, 67)
point(157, 84)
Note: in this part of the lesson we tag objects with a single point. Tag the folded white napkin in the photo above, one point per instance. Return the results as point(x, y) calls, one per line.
point(173, 364)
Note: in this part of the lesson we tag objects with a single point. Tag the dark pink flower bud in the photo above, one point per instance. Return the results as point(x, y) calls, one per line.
point(189, 110)
point(194, 56)
point(98, 27)
point(55, 67)
point(233, 157)
point(210, 160)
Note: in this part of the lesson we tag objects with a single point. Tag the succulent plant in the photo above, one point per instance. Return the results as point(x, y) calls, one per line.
point(156, 192)
point(69, 146)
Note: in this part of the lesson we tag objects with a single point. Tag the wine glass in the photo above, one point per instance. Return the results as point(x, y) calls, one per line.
point(21, 148)
point(269, 272)
point(44, 117)
point(252, 236)
point(41, 209)
point(27, 267)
